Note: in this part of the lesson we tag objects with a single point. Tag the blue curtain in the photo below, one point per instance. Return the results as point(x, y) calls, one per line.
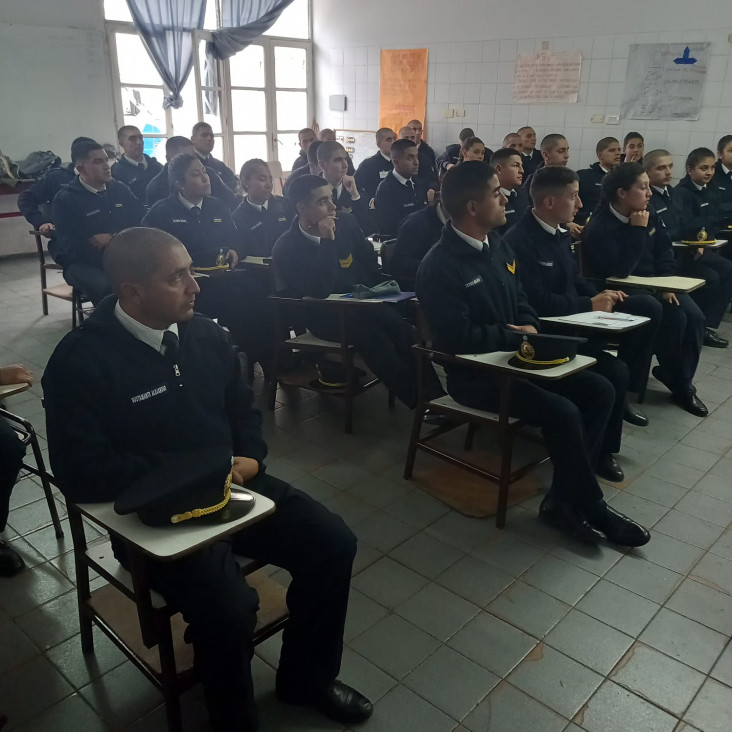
point(165, 28)
point(242, 21)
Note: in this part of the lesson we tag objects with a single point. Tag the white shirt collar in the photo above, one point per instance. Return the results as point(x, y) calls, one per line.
point(663, 191)
point(257, 206)
point(202, 156)
point(547, 227)
point(725, 169)
point(475, 243)
point(619, 216)
point(386, 157)
point(697, 186)
point(338, 189)
point(91, 189)
point(400, 178)
point(150, 336)
point(506, 192)
point(188, 204)
point(308, 235)
point(440, 213)
point(136, 163)
point(604, 170)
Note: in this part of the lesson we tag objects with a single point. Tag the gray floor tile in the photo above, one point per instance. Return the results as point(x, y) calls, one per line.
point(388, 583)
point(705, 441)
point(689, 529)
point(693, 457)
point(452, 682)
point(707, 508)
point(32, 516)
point(417, 509)
point(73, 713)
point(426, 555)
point(363, 612)
point(27, 590)
point(618, 607)
point(595, 559)
point(350, 509)
point(639, 509)
point(670, 553)
point(365, 557)
point(703, 604)
point(402, 709)
point(710, 711)
point(529, 609)
point(382, 531)
point(15, 647)
point(560, 579)
point(462, 532)
point(644, 578)
point(714, 571)
point(555, 680)
point(361, 674)
point(715, 486)
point(723, 546)
point(723, 668)
point(659, 491)
point(673, 472)
point(53, 622)
point(507, 553)
point(589, 641)
point(474, 580)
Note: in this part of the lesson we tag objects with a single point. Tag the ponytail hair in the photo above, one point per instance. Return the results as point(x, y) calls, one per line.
point(621, 176)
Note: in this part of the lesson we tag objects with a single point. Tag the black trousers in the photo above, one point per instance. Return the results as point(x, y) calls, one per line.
point(572, 414)
point(311, 543)
point(636, 347)
point(713, 299)
point(88, 279)
point(384, 340)
point(615, 371)
point(12, 451)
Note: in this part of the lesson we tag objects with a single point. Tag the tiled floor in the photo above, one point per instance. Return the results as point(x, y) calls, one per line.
point(453, 625)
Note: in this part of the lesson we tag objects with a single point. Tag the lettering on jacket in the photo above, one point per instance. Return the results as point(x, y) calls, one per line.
point(95, 211)
point(546, 264)
point(474, 282)
point(149, 394)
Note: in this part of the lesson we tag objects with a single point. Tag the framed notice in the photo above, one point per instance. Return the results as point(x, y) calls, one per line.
point(547, 77)
point(403, 92)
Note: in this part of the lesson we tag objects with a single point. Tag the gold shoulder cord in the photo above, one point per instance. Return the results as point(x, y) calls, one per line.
point(556, 362)
point(198, 512)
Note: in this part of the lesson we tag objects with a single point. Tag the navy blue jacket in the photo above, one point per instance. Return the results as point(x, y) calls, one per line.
point(531, 162)
point(468, 296)
point(548, 270)
point(590, 191)
point(427, 167)
point(35, 203)
point(359, 209)
point(159, 188)
point(259, 230)
point(723, 182)
point(79, 215)
point(518, 204)
point(394, 202)
point(303, 170)
point(697, 208)
point(300, 160)
point(449, 157)
point(225, 173)
point(418, 233)
point(614, 249)
point(203, 235)
point(134, 176)
point(667, 212)
point(306, 269)
point(526, 185)
point(370, 173)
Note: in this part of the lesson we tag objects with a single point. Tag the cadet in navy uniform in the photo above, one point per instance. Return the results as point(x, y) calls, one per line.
point(261, 218)
point(324, 254)
point(87, 212)
point(508, 165)
point(633, 147)
point(554, 286)
point(697, 200)
point(424, 150)
point(312, 168)
point(203, 141)
point(305, 138)
point(472, 148)
point(608, 156)
point(427, 172)
point(373, 170)
point(531, 158)
point(333, 163)
point(554, 150)
point(159, 187)
point(474, 303)
point(713, 299)
point(401, 192)
point(134, 168)
point(451, 156)
point(723, 174)
point(513, 140)
point(101, 440)
point(624, 238)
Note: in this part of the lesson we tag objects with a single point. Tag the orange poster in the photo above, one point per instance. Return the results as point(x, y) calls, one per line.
point(403, 94)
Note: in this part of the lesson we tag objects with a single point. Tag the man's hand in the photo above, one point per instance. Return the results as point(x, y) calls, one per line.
point(349, 183)
point(15, 373)
point(232, 258)
point(639, 218)
point(698, 252)
point(47, 230)
point(633, 157)
point(670, 298)
point(243, 470)
point(575, 229)
point(602, 302)
point(616, 295)
point(99, 241)
point(326, 227)
point(430, 195)
point(522, 328)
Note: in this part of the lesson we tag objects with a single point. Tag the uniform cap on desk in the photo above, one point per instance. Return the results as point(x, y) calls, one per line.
point(187, 486)
point(539, 351)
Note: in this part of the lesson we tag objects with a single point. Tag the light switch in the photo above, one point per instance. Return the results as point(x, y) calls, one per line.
point(597, 119)
point(449, 113)
point(613, 119)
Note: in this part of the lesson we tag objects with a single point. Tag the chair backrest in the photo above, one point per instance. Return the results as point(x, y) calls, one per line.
point(386, 254)
point(278, 176)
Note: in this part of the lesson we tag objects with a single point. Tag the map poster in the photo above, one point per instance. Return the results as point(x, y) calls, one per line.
point(665, 80)
point(403, 92)
point(547, 77)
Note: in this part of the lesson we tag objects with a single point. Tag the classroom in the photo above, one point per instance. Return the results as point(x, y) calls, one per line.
point(440, 294)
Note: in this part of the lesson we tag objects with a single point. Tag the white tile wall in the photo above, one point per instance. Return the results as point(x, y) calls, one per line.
point(477, 77)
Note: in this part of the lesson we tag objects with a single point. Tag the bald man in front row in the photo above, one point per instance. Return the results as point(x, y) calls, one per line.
point(117, 404)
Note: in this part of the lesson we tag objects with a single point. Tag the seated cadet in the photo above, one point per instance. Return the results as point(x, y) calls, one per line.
point(422, 147)
point(513, 140)
point(312, 168)
point(418, 233)
point(322, 255)
point(101, 440)
point(633, 146)
point(713, 299)
point(134, 168)
point(203, 141)
point(35, 203)
point(261, 218)
point(722, 174)
point(373, 170)
point(328, 135)
point(12, 451)
point(451, 156)
point(401, 192)
point(305, 137)
point(427, 172)
point(159, 187)
point(608, 156)
point(86, 213)
point(509, 169)
point(194, 217)
point(472, 148)
point(530, 157)
point(474, 303)
point(554, 286)
point(554, 151)
point(333, 163)
point(624, 238)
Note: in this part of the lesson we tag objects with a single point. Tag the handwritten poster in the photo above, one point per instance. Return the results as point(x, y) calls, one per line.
point(665, 80)
point(547, 77)
point(403, 95)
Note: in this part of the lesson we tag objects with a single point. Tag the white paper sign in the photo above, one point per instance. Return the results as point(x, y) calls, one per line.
point(665, 80)
point(547, 77)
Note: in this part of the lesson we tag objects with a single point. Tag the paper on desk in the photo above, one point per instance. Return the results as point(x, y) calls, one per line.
point(611, 321)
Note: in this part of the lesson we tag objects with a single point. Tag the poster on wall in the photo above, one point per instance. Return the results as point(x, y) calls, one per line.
point(547, 77)
point(359, 144)
point(665, 80)
point(403, 91)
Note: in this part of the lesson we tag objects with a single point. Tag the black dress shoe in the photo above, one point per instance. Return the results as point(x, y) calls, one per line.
point(689, 401)
point(10, 561)
point(633, 415)
point(570, 521)
point(339, 702)
point(608, 468)
point(713, 339)
point(619, 529)
point(436, 419)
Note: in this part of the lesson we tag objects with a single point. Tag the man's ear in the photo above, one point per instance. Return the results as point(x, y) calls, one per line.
point(131, 292)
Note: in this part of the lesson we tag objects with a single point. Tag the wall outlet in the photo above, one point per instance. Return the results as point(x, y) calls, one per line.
point(459, 112)
point(597, 119)
point(612, 119)
point(449, 113)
